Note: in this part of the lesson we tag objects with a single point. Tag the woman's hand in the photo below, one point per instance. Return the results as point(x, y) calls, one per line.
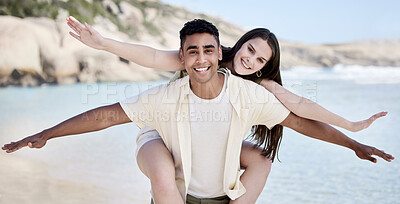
point(34, 141)
point(86, 34)
point(361, 125)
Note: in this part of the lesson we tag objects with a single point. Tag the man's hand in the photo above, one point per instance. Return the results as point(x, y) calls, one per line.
point(85, 33)
point(34, 141)
point(325, 132)
point(366, 152)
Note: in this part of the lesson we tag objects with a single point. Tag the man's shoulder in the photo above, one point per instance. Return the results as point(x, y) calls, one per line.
point(173, 90)
point(249, 91)
point(178, 83)
point(239, 81)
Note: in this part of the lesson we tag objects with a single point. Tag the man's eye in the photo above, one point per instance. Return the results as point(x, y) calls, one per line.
point(192, 52)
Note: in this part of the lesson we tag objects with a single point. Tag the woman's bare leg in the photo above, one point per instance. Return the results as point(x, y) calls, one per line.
point(156, 162)
point(257, 168)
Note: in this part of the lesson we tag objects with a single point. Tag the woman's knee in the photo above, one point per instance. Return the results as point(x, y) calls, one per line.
point(155, 160)
point(252, 156)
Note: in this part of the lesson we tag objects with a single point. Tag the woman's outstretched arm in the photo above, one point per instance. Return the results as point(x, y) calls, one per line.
point(308, 109)
point(140, 54)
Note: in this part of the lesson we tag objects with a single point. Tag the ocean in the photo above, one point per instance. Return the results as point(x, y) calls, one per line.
point(101, 167)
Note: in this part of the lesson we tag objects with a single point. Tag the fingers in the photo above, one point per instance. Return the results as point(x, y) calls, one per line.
point(75, 23)
point(383, 155)
point(89, 28)
point(78, 31)
point(378, 115)
point(13, 146)
point(75, 36)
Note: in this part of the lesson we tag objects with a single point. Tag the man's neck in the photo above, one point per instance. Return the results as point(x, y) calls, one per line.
point(210, 89)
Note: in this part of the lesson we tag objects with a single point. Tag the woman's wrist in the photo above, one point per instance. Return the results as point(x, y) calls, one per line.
point(348, 125)
point(105, 44)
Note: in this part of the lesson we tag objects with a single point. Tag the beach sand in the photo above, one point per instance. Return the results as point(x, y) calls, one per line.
point(23, 181)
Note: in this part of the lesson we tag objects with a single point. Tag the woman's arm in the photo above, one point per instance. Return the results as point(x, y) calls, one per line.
point(308, 109)
point(140, 54)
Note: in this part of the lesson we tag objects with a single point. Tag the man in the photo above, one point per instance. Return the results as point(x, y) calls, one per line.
point(169, 108)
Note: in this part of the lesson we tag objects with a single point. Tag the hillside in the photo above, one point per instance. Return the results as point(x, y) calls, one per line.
point(36, 48)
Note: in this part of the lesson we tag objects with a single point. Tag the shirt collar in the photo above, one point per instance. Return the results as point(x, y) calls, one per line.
point(233, 93)
point(184, 83)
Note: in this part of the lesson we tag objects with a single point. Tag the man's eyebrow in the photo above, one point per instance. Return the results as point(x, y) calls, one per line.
point(192, 47)
point(256, 51)
point(209, 46)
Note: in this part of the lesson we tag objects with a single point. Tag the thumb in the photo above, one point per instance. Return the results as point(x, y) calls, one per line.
point(30, 145)
point(371, 159)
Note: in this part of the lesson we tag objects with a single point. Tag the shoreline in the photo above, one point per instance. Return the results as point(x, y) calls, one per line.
point(25, 181)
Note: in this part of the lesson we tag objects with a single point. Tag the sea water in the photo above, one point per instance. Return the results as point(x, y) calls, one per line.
point(310, 171)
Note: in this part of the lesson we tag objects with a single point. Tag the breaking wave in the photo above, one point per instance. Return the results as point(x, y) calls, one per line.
point(356, 73)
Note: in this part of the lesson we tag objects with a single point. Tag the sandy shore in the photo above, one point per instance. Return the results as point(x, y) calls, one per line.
point(23, 181)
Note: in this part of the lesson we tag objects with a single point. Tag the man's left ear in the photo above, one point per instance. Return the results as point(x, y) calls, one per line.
point(220, 52)
point(181, 55)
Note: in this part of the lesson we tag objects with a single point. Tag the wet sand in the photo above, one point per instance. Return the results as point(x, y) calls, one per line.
point(24, 181)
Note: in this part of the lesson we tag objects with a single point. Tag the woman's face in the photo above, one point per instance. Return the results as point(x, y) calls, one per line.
point(252, 56)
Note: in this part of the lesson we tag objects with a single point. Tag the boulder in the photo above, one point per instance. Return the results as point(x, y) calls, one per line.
point(131, 16)
point(18, 47)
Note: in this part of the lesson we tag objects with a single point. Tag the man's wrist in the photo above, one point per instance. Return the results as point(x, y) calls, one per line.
point(353, 145)
point(46, 134)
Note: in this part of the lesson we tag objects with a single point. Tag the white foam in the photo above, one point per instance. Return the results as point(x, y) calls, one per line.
point(358, 74)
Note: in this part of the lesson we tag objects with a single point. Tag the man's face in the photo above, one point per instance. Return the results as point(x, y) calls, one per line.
point(200, 54)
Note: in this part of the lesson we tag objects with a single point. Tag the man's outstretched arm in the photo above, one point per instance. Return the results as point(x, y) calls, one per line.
point(325, 132)
point(90, 121)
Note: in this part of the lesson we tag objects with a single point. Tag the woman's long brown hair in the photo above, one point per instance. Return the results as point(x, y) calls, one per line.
point(268, 140)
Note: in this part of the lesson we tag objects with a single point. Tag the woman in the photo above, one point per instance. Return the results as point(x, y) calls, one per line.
point(256, 57)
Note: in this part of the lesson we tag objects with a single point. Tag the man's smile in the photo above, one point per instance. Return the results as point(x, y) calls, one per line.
point(201, 69)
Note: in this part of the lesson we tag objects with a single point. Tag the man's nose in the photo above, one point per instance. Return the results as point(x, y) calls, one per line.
point(201, 58)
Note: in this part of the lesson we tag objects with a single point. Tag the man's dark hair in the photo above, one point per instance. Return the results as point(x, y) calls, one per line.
point(198, 26)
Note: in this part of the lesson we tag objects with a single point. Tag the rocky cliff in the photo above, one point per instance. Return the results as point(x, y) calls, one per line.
point(35, 46)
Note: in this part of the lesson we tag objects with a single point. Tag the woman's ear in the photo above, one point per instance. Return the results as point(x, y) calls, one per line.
point(220, 52)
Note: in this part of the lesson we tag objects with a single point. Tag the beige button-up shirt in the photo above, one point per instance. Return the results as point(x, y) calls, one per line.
point(166, 109)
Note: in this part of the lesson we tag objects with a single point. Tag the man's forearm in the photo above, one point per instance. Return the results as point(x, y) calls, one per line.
point(90, 121)
point(321, 131)
point(325, 132)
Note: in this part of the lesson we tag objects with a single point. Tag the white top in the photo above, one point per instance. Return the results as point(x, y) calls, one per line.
point(209, 122)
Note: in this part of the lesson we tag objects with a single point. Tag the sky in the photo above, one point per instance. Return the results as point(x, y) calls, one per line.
point(308, 21)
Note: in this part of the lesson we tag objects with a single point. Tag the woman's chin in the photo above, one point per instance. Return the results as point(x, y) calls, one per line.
point(242, 72)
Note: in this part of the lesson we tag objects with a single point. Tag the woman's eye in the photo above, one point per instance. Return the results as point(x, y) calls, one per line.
point(261, 61)
point(251, 50)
